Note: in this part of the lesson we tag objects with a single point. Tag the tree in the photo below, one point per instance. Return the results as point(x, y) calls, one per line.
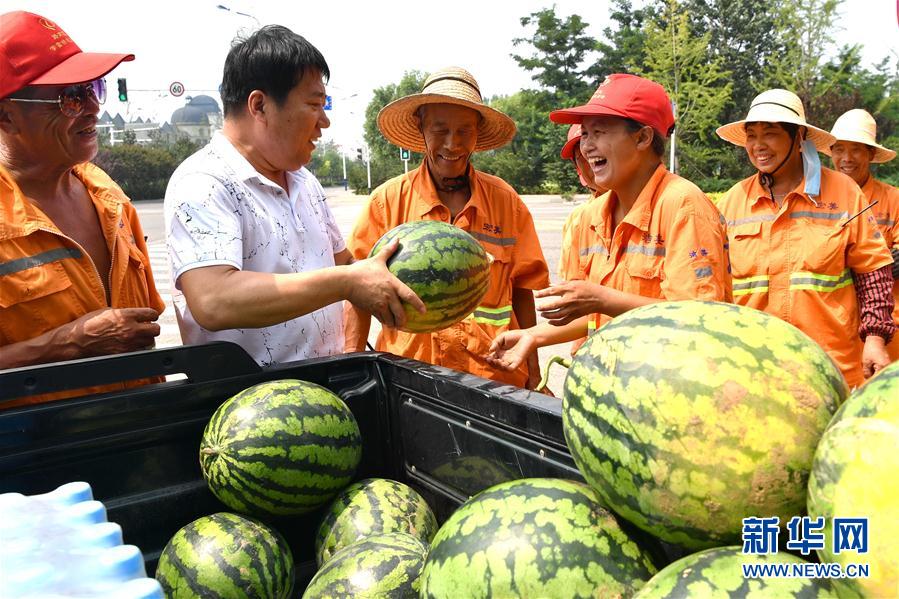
point(561, 48)
point(624, 51)
point(698, 84)
point(129, 137)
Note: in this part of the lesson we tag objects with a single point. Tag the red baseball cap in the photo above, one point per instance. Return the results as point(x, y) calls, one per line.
point(574, 138)
point(36, 51)
point(625, 96)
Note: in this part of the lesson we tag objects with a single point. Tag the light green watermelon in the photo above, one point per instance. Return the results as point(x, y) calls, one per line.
point(382, 566)
point(445, 266)
point(856, 474)
point(689, 416)
point(280, 448)
point(536, 537)
point(718, 574)
point(373, 506)
point(225, 556)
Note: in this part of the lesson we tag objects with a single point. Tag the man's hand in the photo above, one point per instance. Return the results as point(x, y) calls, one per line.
point(113, 331)
point(373, 288)
point(874, 355)
point(575, 299)
point(511, 349)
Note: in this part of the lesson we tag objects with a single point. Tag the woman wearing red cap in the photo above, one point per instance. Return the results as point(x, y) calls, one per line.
point(659, 236)
point(75, 276)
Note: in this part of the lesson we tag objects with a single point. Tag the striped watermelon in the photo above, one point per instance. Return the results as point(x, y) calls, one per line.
point(226, 555)
point(373, 506)
point(383, 566)
point(537, 537)
point(280, 448)
point(855, 474)
point(688, 416)
point(717, 574)
point(445, 266)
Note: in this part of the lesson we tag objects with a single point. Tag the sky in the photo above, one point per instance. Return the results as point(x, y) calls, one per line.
point(367, 44)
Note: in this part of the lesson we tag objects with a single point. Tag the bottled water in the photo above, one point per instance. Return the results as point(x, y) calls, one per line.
point(59, 545)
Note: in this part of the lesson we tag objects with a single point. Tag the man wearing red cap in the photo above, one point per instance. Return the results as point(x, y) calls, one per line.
point(660, 236)
point(75, 278)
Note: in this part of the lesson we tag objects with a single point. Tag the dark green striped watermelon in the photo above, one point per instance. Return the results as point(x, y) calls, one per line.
point(717, 574)
point(855, 474)
point(687, 417)
point(226, 556)
point(445, 266)
point(383, 566)
point(537, 537)
point(373, 506)
point(280, 448)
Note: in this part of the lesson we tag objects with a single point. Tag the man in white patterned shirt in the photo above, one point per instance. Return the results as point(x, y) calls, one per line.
point(255, 252)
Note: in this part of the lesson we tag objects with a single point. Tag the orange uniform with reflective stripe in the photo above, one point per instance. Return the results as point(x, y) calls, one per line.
point(48, 280)
point(576, 243)
point(796, 261)
point(886, 213)
point(671, 245)
point(496, 217)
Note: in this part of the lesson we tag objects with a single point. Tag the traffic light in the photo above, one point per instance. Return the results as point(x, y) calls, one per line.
point(359, 154)
point(404, 154)
point(123, 90)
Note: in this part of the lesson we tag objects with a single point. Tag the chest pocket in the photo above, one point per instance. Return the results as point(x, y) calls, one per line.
point(824, 249)
point(644, 275)
point(746, 250)
point(136, 291)
point(35, 300)
point(499, 294)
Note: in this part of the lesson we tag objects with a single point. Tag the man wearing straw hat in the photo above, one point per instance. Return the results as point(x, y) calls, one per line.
point(855, 150)
point(447, 122)
point(802, 246)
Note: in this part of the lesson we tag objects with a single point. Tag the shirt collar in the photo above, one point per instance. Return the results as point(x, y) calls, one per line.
point(236, 161)
point(428, 199)
point(757, 192)
point(640, 214)
point(868, 187)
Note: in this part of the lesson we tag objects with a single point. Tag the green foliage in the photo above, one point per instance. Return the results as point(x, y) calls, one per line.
point(143, 172)
point(622, 49)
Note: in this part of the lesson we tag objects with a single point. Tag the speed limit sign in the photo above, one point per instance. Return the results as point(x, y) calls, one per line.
point(176, 88)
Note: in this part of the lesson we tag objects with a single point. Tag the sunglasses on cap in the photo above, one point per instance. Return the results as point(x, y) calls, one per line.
point(73, 98)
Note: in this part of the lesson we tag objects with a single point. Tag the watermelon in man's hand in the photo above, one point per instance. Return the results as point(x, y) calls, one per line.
point(445, 266)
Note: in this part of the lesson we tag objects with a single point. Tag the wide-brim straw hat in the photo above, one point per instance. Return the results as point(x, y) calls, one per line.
point(859, 126)
point(451, 85)
point(775, 106)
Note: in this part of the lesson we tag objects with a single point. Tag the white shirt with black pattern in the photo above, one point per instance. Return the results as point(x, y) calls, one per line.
point(220, 210)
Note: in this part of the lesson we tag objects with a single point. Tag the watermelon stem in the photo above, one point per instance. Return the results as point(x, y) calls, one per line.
point(544, 378)
point(210, 451)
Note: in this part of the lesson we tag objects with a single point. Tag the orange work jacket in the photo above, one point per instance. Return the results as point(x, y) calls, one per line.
point(796, 261)
point(671, 245)
point(498, 218)
point(48, 280)
point(886, 212)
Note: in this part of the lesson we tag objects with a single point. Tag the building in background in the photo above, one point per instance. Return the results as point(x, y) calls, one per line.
point(197, 120)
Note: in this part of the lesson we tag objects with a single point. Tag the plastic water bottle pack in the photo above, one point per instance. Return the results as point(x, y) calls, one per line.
point(60, 545)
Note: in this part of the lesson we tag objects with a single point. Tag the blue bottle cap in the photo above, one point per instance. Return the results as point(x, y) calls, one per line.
point(86, 512)
point(140, 588)
point(104, 534)
point(71, 493)
point(124, 562)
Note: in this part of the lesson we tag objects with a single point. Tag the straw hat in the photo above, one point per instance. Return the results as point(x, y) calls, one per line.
point(451, 85)
point(858, 125)
point(775, 106)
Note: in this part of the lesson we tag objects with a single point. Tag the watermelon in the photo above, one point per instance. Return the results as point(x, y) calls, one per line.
point(226, 555)
point(382, 566)
point(717, 574)
point(373, 506)
point(445, 266)
point(280, 448)
point(855, 474)
point(537, 537)
point(689, 416)
point(471, 474)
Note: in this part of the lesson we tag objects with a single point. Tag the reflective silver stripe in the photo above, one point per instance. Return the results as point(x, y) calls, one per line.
point(20, 264)
point(886, 222)
point(593, 249)
point(818, 282)
point(644, 249)
point(701, 273)
point(823, 215)
point(495, 316)
point(492, 239)
point(758, 218)
point(750, 283)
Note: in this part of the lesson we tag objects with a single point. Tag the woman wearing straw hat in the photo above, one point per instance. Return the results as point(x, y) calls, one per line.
point(801, 245)
point(855, 150)
point(447, 122)
point(660, 237)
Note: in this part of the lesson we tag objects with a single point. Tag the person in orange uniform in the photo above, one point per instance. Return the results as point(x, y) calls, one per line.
point(578, 239)
point(802, 245)
point(75, 277)
point(447, 122)
point(856, 148)
point(661, 237)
